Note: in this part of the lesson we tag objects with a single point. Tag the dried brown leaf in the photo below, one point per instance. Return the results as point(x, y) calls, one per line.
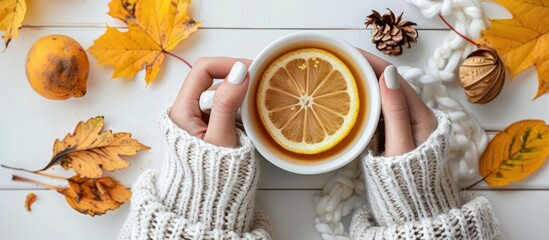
point(93, 196)
point(31, 198)
point(89, 150)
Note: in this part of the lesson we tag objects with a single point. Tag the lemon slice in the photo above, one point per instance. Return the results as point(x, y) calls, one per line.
point(308, 100)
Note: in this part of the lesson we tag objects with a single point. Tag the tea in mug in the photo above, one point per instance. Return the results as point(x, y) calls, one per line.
point(309, 104)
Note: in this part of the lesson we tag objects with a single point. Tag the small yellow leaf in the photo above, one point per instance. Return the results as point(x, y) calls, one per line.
point(31, 198)
point(122, 9)
point(515, 153)
point(88, 150)
point(93, 196)
point(524, 40)
point(12, 13)
point(157, 28)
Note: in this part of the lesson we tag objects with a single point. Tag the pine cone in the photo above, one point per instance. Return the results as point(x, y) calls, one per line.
point(389, 34)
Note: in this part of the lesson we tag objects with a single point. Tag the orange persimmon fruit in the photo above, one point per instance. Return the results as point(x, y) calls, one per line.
point(57, 67)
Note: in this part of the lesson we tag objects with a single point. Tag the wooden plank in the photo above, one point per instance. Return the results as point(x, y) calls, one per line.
point(304, 14)
point(29, 123)
point(235, 14)
point(70, 224)
point(68, 13)
point(67, 223)
point(291, 213)
point(521, 214)
point(127, 105)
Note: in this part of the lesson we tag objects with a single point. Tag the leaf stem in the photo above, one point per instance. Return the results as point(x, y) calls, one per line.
point(458, 33)
point(35, 172)
point(178, 57)
point(482, 179)
point(474, 184)
point(22, 179)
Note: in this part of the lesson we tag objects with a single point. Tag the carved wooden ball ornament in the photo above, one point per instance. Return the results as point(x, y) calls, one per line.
point(482, 75)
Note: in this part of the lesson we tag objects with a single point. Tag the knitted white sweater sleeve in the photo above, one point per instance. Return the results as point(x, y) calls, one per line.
point(201, 192)
point(413, 196)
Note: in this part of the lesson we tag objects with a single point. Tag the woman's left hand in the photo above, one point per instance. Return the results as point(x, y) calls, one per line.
point(408, 121)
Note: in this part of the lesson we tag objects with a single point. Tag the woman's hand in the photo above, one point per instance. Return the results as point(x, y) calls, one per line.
point(218, 127)
point(408, 121)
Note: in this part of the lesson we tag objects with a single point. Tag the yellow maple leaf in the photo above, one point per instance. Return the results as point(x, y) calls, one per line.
point(12, 13)
point(515, 153)
point(88, 149)
point(157, 28)
point(524, 40)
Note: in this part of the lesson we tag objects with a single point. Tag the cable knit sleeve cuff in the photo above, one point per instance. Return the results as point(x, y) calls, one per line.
point(414, 185)
point(474, 220)
point(205, 183)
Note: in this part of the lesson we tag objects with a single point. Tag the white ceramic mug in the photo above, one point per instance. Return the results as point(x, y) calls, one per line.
point(356, 141)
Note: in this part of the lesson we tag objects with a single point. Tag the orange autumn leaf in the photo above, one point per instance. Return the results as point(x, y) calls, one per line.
point(159, 26)
point(515, 153)
point(93, 196)
point(29, 200)
point(89, 150)
point(524, 40)
point(12, 13)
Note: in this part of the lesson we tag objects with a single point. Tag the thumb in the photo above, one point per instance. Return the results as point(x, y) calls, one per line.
point(227, 99)
point(398, 132)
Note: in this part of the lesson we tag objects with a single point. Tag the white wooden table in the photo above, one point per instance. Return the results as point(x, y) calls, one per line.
point(29, 123)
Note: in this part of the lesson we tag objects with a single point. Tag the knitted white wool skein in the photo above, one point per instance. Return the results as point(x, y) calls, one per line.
point(467, 139)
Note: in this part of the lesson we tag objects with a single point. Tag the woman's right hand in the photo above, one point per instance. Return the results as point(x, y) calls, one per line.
point(218, 127)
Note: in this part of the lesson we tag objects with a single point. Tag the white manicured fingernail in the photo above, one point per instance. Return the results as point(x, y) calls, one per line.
point(206, 100)
point(237, 73)
point(391, 77)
